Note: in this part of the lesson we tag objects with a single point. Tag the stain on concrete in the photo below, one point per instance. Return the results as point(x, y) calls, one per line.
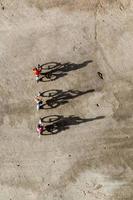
point(125, 99)
point(16, 112)
point(78, 4)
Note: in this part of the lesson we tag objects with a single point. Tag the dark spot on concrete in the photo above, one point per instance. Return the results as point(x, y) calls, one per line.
point(100, 75)
point(74, 48)
point(98, 187)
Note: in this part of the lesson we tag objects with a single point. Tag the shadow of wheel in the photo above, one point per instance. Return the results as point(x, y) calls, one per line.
point(52, 65)
point(51, 118)
point(50, 93)
point(50, 75)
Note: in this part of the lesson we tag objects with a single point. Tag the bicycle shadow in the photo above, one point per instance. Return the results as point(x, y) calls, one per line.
point(61, 123)
point(60, 97)
point(50, 65)
point(61, 70)
point(46, 76)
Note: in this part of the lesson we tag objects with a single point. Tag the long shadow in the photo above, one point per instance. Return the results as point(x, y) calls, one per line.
point(61, 70)
point(62, 123)
point(60, 97)
point(67, 67)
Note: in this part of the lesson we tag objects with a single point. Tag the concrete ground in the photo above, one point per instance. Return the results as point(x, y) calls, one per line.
point(91, 156)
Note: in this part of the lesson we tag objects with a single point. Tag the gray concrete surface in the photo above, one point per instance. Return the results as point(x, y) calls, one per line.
point(93, 157)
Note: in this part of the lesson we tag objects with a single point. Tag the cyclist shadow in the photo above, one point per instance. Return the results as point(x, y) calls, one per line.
point(47, 76)
point(61, 70)
point(60, 97)
point(61, 123)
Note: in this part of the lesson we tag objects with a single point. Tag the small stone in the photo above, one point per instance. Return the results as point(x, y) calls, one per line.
point(3, 7)
point(97, 105)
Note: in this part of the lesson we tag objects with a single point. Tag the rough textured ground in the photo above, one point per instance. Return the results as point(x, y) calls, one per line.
point(93, 157)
